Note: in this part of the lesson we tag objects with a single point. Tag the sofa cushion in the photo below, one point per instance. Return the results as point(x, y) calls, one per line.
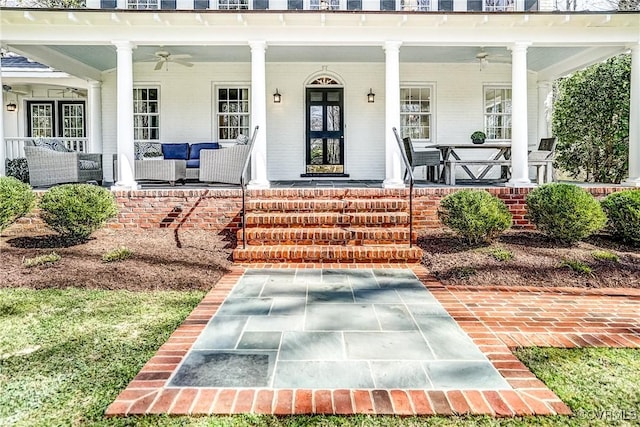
point(193, 163)
point(175, 151)
point(194, 150)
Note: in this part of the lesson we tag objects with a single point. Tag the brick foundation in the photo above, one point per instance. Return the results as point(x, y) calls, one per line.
point(219, 209)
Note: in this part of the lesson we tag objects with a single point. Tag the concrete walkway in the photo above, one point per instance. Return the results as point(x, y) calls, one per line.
point(372, 339)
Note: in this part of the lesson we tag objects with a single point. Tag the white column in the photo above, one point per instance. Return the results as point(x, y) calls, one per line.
point(95, 120)
point(393, 161)
point(259, 114)
point(3, 148)
point(519, 130)
point(544, 110)
point(126, 165)
point(634, 120)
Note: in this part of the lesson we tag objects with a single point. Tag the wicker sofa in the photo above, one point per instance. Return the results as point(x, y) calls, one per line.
point(49, 167)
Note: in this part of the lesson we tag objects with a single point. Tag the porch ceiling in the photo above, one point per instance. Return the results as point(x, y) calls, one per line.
point(103, 57)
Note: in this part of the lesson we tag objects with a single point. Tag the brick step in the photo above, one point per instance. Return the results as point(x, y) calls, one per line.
point(330, 253)
point(328, 205)
point(311, 219)
point(353, 236)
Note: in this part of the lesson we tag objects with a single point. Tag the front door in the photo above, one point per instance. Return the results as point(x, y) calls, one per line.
point(325, 132)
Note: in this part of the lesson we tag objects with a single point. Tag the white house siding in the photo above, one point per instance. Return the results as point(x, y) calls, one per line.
point(187, 107)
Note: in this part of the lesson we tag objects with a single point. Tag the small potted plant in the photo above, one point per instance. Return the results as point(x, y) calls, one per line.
point(478, 137)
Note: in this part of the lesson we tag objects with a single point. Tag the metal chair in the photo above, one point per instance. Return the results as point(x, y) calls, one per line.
point(428, 158)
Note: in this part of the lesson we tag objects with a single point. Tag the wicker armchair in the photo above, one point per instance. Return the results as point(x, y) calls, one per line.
point(48, 167)
point(225, 165)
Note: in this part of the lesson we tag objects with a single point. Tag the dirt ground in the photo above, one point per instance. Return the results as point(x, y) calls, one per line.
point(166, 259)
point(537, 261)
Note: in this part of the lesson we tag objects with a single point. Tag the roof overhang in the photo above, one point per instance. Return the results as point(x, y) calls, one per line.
point(81, 41)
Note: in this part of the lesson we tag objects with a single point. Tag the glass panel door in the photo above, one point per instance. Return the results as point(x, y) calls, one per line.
point(325, 132)
point(41, 119)
point(72, 119)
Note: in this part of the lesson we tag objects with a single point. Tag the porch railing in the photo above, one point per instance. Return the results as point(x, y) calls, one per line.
point(14, 146)
point(243, 186)
point(412, 179)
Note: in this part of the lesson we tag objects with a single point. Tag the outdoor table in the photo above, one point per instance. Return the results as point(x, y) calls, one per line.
point(449, 151)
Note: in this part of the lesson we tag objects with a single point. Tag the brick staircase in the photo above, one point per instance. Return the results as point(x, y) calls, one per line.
point(335, 226)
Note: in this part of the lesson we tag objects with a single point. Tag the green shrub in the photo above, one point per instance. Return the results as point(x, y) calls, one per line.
point(48, 259)
point(77, 210)
point(565, 212)
point(117, 254)
point(577, 266)
point(16, 200)
point(475, 215)
point(605, 256)
point(623, 211)
point(500, 254)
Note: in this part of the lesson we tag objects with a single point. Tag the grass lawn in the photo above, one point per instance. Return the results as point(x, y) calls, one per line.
point(66, 354)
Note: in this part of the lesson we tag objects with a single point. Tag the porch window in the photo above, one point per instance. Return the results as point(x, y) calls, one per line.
point(233, 4)
point(416, 112)
point(59, 118)
point(146, 114)
point(497, 112)
point(324, 4)
point(415, 5)
point(232, 112)
point(499, 5)
point(142, 4)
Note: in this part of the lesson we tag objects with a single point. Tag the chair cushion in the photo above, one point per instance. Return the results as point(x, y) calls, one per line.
point(51, 144)
point(175, 151)
point(194, 150)
point(89, 165)
point(145, 149)
point(242, 140)
point(193, 163)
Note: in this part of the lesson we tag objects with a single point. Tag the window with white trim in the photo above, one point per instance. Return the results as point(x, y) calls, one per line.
point(232, 112)
point(143, 4)
point(233, 4)
point(415, 5)
point(146, 114)
point(324, 4)
point(499, 5)
point(497, 112)
point(416, 112)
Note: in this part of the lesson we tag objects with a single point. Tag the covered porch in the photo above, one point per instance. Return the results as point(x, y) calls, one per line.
point(437, 77)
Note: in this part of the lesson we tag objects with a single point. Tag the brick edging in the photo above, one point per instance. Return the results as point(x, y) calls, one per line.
point(148, 393)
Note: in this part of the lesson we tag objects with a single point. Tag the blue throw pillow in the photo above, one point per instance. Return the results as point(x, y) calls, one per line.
point(194, 151)
point(175, 151)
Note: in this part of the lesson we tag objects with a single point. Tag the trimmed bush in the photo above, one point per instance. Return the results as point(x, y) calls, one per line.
point(475, 215)
point(16, 200)
point(565, 212)
point(77, 210)
point(623, 211)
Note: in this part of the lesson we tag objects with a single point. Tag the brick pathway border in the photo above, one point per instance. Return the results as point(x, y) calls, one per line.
point(147, 392)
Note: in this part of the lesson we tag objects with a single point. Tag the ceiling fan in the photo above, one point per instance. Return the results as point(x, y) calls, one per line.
point(71, 90)
point(10, 89)
point(483, 58)
point(165, 57)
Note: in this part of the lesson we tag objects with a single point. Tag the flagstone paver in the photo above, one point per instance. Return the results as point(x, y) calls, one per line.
point(494, 319)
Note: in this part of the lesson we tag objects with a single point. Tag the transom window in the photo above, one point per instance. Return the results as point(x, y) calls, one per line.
point(416, 112)
point(232, 112)
point(415, 5)
point(499, 5)
point(146, 114)
point(142, 4)
point(233, 4)
point(497, 112)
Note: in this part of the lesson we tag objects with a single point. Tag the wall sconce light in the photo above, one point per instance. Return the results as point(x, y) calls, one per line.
point(371, 96)
point(11, 107)
point(277, 98)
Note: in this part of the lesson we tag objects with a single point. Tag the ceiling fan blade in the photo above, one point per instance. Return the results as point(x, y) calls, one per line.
point(180, 56)
point(158, 65)
point(181, 62)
